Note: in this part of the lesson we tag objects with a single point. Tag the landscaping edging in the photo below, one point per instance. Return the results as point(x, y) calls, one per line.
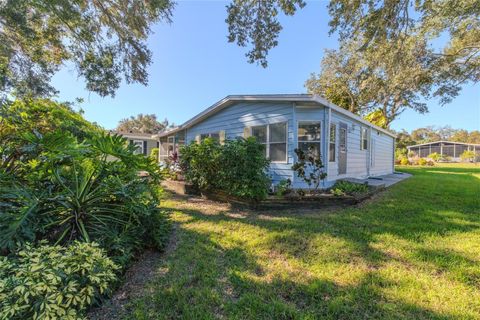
point(285, 202)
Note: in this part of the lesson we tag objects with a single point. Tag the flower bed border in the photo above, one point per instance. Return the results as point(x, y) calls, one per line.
point(272, 202)
point(285, 202)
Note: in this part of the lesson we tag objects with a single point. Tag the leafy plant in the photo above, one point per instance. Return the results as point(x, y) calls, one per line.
point(200, 163)
point(283, 187)
point(54, 282)
point(422, 162)
point(237, 167)
point(309, 167)
point(64, 187)
point(343, 187)
point(435, 156)
point(468, 155)
point(154, 154)
point(404, 161)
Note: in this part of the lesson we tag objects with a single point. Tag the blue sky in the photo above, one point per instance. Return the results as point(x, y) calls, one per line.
point(194, 66)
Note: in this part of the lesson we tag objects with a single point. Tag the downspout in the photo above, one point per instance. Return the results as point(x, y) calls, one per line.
point(393, 155)
point(295, 138)
point(369, 148)
point(326, 140)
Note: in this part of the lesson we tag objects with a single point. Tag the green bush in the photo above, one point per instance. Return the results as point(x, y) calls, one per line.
point(422, 162)
point(283, 187)
point(63, 186)
point(238, 167)
point(54, 282)
point(346, 187)
point(243, 169)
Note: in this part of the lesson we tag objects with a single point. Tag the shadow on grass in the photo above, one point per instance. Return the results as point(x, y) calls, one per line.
point(204, 280)
point(207, 278)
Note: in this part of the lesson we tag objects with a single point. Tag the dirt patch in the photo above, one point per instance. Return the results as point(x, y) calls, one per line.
point(147, 267)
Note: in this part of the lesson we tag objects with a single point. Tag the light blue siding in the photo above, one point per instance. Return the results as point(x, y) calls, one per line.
point(235, 118)
point(360, 163)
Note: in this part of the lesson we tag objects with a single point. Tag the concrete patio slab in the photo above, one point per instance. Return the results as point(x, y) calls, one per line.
point(386, 181)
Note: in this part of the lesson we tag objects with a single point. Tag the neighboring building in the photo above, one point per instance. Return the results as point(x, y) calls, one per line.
point(350, 146)
point(145, 142)
point(450, 149)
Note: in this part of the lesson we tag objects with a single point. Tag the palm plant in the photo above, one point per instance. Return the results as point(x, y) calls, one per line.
point(74, 190)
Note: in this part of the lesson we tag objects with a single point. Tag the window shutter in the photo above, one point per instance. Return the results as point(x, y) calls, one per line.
point(221, 135)
point(247, 132)
point(144, 147)
point(198, 139)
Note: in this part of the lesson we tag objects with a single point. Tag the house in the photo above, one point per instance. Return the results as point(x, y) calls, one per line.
point(350, 146)
point(450, 150)
point(145, 142)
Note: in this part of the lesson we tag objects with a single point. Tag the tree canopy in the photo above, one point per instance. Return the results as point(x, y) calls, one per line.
point(393, 54)
point(378, 78)
point(142, 123)
point(104, 40)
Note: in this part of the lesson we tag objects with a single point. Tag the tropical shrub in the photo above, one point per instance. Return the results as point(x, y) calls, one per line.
point(468, 155)
point(243, 169)
point(422, 162)
point(309, 167)
point(346, 187)
point(435, 156)
point(62, 186)
point(54, 282)
point(238, 167)
point(200, 163)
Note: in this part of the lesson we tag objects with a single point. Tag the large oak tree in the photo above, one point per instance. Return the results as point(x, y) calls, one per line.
point(104, 39)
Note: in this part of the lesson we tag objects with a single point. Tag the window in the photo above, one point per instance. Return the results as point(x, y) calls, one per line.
point(363, 138)
point(332, 144)
point(278, 142)
point(139, 145)
point(274, 138)
point(309, 136)
point(214, 136)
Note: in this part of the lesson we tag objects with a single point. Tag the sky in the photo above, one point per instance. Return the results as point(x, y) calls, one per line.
point(194, 66)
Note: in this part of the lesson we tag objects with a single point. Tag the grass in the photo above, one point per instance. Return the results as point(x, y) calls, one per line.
point(411, 253)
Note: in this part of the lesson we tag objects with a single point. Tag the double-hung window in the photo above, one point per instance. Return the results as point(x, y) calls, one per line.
point(363, 138)
point(309, 137)
point(274, 138)
point(213, 135)
point(332, 142)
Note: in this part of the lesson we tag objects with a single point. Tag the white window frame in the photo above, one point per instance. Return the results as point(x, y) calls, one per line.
point(267, 143)
point(138, 150)
point(313, 141)
point(363, 138)
point(334, 125)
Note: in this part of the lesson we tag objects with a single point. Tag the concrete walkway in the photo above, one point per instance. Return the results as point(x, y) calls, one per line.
point(383, 181)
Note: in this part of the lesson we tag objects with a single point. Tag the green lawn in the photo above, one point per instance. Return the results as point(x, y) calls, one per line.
point(413, 252)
